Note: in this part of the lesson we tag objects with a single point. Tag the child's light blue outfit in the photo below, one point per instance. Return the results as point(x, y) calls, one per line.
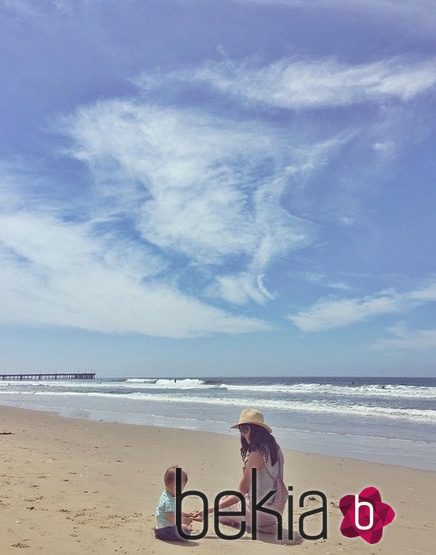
point(166, 504)
point(164, 530)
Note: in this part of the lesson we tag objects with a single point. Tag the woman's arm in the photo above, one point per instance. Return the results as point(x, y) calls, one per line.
point(254, 460)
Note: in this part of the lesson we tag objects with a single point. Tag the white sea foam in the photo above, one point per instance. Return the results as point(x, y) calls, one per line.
point(167, 383)
point(12, 392)
point(370, 390)
point(427, 416)
point(313, 389)
point(130, 383)
point(141, 380)
point(186, 383)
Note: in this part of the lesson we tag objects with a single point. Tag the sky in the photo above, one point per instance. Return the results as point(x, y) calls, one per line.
point(204, 188)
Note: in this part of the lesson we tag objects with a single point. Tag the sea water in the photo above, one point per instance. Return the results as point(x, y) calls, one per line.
point(385, 420)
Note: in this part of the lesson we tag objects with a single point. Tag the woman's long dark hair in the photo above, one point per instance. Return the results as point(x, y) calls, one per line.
point(261, 441)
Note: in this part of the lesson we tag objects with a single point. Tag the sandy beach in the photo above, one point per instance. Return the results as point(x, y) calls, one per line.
point(73, 486)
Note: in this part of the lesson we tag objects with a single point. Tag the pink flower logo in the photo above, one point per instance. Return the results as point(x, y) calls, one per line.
point(365, 515)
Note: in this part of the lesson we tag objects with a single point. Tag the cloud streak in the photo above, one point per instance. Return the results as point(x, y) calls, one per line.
point(304, 84)
point(328, 314)
point(403, 339)
point(62, 273)
point(241, 288)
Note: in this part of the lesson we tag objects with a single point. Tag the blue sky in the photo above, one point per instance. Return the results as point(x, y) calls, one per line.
point(218, 188)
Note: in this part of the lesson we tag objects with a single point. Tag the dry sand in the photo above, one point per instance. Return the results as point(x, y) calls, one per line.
point(76, 486)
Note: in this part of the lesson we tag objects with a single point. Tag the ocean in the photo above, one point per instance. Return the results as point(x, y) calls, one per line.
point(384, 420)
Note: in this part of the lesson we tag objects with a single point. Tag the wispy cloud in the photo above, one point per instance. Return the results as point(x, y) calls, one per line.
point(194, 174)
point(196, 186)
point(402, 339)
point(311, 84)
point(386, 150)
point(329, 314)
point(241, 288)
point(321, 279)
point(30, 9)
point(56, 272)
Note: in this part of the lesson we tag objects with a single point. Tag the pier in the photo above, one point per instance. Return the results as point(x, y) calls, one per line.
point(50, 376)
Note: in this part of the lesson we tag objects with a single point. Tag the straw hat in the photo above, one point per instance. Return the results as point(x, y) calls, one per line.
point(252, 416)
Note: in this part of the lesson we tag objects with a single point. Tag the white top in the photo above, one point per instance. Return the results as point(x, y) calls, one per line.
point(266, 478)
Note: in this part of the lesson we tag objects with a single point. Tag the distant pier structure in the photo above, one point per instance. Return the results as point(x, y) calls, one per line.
point(50, 376)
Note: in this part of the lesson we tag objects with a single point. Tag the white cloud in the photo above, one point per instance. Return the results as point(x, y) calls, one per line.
point(329, 314)
point(240, 289)
point(58, 273)
point(206, 188)
point(312, 84)
point(403, 339)
point(326, 314)
point(23, 7)
point(424, 294)
point(36, 10)
point(386, 150)
point(196, 174)
point(322, 280)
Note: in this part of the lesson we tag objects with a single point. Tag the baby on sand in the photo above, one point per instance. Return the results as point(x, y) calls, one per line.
point(166, 528)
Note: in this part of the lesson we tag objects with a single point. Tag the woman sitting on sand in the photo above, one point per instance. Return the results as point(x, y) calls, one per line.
point(259, 450)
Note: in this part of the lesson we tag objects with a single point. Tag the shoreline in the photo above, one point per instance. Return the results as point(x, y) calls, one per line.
point(389, 458)
point(82, 486)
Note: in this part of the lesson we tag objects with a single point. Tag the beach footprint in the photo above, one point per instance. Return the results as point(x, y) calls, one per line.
point(21, 545)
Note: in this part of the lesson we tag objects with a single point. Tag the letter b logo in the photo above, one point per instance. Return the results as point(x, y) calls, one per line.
point(370, 517)
point(365, 515)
